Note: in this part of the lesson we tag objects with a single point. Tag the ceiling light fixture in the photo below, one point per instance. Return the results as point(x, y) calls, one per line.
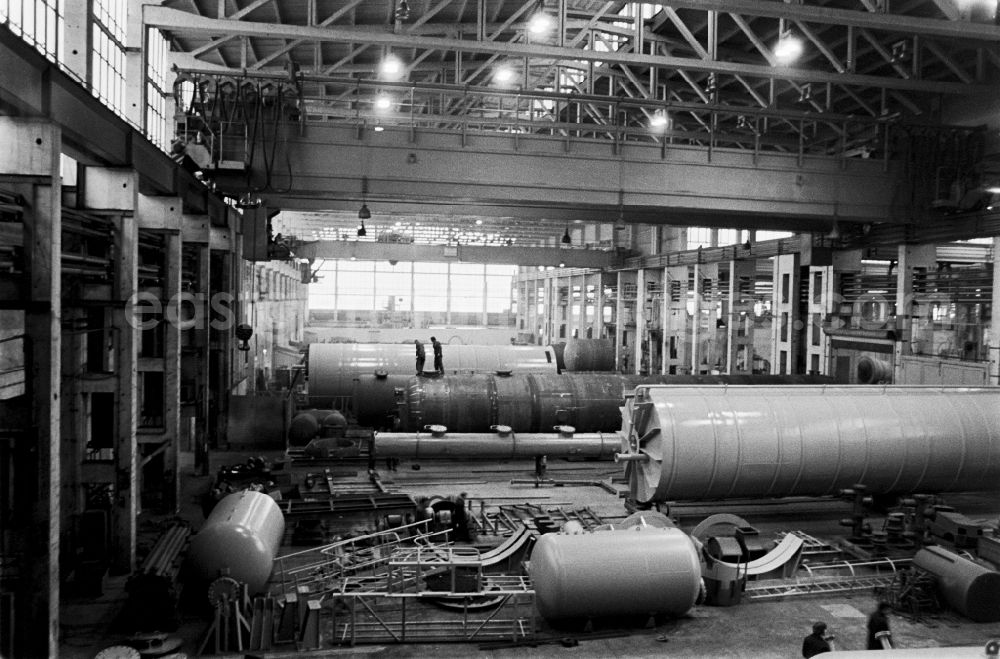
point(541, 22)
point(566, 240)
point(362, 231)
point(658, 120)
point(403, 10)
point(789, 47)
point(383, 102)
point(503, 75)
point(391, 67)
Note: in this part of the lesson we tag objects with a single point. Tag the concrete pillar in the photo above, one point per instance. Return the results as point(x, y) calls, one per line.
point(31, 149)
point(908, 257)
point(784, 307)
point(994, 338)
point(599, 302)
point(821, 301)
point(640, 320)
point(116, 190)
point(619, 321)
point(740, 321)
point(172, 370)
point(696, 334)
point(76, 39)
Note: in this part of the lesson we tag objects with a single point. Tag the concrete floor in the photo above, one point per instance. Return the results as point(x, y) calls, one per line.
point(751, 629)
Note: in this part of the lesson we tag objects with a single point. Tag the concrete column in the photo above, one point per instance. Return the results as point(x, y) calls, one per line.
point(135, 65)
point(599, 306)
point(116, 190)
point(908, 257)
point(821, 300)
point(994, 338)
point(695, 362)
point(640, 320)
point(76, 39)
point(172, 370)
point(785, 314)
point(740, 323)
point(619, 321)
point(31, 149)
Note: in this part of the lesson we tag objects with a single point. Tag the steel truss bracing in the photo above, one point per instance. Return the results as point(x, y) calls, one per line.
point(687, 73)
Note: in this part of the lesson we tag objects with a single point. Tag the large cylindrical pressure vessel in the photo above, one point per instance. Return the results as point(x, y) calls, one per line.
point(643, 570)
point(333, 368)
point(969, 588)
point(589, 355)
point(241, 536)
point(537, 402)
point(725, 442)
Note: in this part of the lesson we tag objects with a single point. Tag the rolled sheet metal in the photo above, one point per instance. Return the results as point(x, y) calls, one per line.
point(969, 588)
point(737, 441)
point(643, 570)
point(536, 402)
point(241, 537)
point(416, 446)
point(589, 355)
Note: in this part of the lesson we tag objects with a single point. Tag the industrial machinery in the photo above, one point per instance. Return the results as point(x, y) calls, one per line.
point(726, 442)
point(239, 539)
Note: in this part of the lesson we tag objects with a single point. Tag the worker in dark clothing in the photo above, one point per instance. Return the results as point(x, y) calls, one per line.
point(421, 356)
point(878, 622)
point(816, 643)
point(438, 360)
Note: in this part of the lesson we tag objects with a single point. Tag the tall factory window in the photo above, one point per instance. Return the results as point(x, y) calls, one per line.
point(157, 89)
point(108, 38)
point(39, 22)
point(430, 287)
point(699, 237)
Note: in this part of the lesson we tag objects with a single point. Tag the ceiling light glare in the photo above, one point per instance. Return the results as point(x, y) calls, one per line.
point(379, 129)
point(479, 222)
point(383, 102)
point(788, 49)
point(391, 68)
point(503, 75)
point(658, 120)
point(540, 24)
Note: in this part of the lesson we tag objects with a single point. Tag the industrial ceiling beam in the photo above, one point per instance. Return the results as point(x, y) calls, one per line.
point(512, 255)
point(896, 23)
point(181, 22)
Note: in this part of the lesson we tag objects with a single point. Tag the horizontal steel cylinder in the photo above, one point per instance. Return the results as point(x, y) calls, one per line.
point(369, 373)
point(417, 446)
point(536, 402)
point(643, 570)
point(725, 442)
point(969, 588)
point(240, 538)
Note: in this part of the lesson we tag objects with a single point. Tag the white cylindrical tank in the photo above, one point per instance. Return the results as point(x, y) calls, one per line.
point(240, 537)
point(736, 441)
point(642, 570)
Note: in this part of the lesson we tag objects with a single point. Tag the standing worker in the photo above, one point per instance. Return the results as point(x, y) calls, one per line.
point(816, 643)
point(438, 360)
point(878, 627)
point(421, 356)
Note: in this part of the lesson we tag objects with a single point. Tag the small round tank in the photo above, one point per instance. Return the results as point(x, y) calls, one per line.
point(242, 536)
point(969, 588)
point(589, 355)
point(643, 570)
point(303, 427)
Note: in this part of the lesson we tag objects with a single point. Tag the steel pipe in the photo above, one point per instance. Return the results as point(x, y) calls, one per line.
point(416, 446)
point(726, 442)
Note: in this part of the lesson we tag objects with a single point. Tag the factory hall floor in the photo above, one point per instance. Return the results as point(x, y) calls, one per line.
point(769, 628)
